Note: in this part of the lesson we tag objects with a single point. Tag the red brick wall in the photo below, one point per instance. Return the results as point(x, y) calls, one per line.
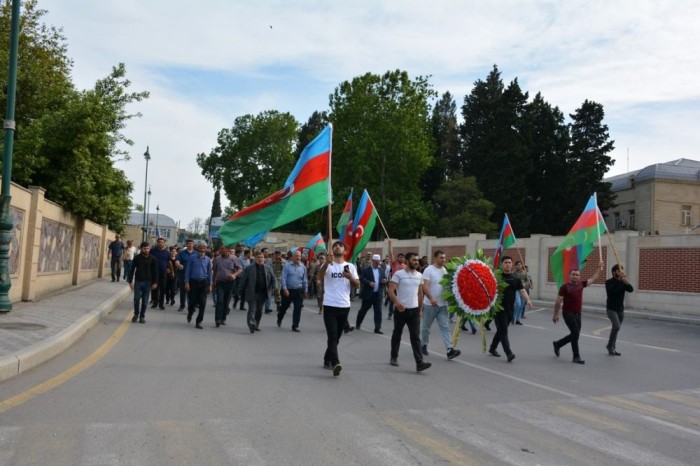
point(669, 269)
point(589, 267)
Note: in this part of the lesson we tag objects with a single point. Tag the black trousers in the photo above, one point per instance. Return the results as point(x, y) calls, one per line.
point(376, 304)
point(334, 318)
point(197, 297)
point(411, 319)
point(295, 298)
point(158, 295)
point(502, 319)
point(573, 321)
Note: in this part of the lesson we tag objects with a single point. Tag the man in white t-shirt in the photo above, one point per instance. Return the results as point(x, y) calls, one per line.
point(338, 279)
point(435, 306)
point(406, 293)
point(128, 256)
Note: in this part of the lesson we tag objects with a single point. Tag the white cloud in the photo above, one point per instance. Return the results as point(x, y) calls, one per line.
point(628, 55)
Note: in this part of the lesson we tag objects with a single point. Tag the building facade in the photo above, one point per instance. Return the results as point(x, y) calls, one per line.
point(157, 225)
point(661, 199)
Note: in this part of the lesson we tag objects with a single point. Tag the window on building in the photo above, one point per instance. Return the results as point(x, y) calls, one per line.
point(686, 217)
point(617, 220)
point(631, 219)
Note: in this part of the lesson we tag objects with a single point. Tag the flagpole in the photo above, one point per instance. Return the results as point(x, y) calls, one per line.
point(386, 233)
point(610, 239)
point(600, 243)
point(330, 189)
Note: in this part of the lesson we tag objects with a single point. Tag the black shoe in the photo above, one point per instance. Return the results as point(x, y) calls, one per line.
point(424, 350)
point(612, 352)
point(578, 360)
point(217, 324)
point(252, 329)
point(199, 326)
point(294, 329)
point(153, 306)
point(464, 329)
point(394, 362)
point(556, 348)
point(279, 322)
point(268, 311)
point(473, 331)
point(487, 326)
point(117, 279)
point(135, 318)
point(181, 308)
point(162, 308)
point(510, 357)
point(113, 280)
point(349, 329)
point(453, 353)
point(142, 320)
point(189, 317)
point(378, 332)
point(493, 352)
point(421, 366)
point(336, 370)
point(257, 329)
point(328, 365)
point(518, 323)
point(223, 322)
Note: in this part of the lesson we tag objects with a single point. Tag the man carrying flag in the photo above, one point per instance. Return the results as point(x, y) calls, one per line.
point(570, 255)
point(365, 220)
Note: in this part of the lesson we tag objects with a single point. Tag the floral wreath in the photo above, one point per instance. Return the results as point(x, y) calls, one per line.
point(472, 289)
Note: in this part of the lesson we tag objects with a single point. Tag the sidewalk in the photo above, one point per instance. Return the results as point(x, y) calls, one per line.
point(37, 331)
point(34, 332)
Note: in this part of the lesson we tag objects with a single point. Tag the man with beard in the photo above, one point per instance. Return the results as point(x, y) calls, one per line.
point(570, 301)
point(615, 288)
point(406, 293)
point(143, 277)
point(339, 277)
point(162, 256)
point(505, 316)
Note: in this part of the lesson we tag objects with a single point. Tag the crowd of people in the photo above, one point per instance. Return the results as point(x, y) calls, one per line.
point(408, 286)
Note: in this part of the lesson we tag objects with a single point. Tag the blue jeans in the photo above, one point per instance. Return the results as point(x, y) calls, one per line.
point(431, 313)
point(127, 268)
point(519, 307)
point(142, 291)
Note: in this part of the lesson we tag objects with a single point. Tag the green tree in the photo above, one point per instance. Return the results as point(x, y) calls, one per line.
point(494, 149)
point(547, 137)
point(588, 159)
point(382, 142)
point(43, 83)
point(462, 208)
point(78, 143)
point(253, 158)
point(446, 161)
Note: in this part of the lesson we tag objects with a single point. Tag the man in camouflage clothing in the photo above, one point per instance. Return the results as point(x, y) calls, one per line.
point(277, 266)
point(319, 281)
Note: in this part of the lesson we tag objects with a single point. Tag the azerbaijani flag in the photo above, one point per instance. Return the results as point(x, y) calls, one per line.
point(365, 220)
point(315, 246)
point(345, 218)
point(307, 188)
point(578, 244)
point(505, 240)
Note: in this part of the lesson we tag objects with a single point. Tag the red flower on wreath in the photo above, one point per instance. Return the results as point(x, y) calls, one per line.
point(475, 287)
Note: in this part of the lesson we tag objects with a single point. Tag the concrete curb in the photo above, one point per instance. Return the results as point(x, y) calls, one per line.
point(23, 360)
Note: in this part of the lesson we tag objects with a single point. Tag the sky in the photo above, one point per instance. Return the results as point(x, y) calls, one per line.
point(207, 62)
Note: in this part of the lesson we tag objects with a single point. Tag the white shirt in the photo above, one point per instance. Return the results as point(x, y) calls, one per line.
point(336, 288)
point(433, 275)
point(407, 285)
point(129, 253)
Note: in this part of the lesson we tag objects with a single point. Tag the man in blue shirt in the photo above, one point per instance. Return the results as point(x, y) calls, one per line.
point(198, 284)
point(294, 287)
point(181, 261)
point(115, 250)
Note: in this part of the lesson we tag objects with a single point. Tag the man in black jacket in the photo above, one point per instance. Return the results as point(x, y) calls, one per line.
point(372, 282)
point(615, 288)
point(143, 277)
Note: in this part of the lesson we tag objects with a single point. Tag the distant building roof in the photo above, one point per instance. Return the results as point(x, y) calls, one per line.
point(675, 170)
point(217, 221)
point(162, 220)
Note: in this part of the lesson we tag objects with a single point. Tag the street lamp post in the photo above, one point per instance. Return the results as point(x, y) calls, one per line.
point(148, 208)
point(146, 156)
point(6, 225)
point(157, 221)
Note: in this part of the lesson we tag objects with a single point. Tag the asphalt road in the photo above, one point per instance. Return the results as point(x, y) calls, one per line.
point(166, 393)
